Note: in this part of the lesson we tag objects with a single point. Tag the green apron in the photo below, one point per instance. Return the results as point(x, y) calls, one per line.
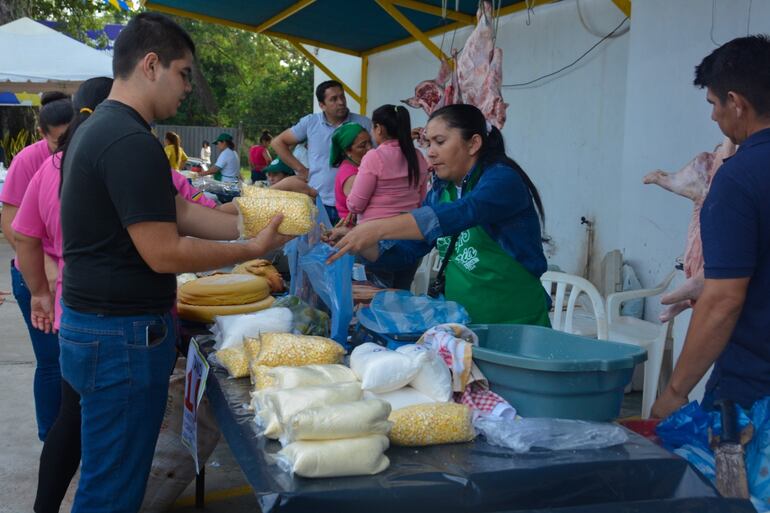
point(492, 285)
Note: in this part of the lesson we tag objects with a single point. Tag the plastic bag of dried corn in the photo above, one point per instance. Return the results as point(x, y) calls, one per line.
point(234, 360)
point(260, 376)
point(432, 424)
point(286, 349)
point(255, 213)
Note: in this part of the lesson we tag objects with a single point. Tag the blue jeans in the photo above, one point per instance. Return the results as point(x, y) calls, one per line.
point(47, 384)
point(120, 366)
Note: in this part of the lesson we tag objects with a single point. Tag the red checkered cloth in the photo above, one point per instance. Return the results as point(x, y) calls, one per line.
point(478, 397)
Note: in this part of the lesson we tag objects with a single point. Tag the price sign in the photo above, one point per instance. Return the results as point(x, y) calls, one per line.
point(195, 385)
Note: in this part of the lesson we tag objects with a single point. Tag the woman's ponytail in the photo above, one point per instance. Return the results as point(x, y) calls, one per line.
point(398, 125)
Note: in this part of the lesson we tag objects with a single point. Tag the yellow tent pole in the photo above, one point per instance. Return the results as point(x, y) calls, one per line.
point(466, 19)
point(364, 84)
point(623, 5)
point(387, 6)
point(315, 60)
point(278, 18)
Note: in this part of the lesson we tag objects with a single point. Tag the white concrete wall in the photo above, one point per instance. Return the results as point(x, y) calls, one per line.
point(346, 67)
point(589, 135)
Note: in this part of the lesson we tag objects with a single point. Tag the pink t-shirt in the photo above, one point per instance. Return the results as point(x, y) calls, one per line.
point(344, 171)
point(189, 192)
point(382, 185)
point(39, 217)
point(23, 167)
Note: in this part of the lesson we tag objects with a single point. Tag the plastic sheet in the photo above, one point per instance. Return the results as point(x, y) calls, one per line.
point(472, 477)
point(554, 434)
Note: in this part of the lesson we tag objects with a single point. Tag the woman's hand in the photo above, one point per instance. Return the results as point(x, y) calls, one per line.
point(361, 240)
point(332, 236)
point(42, 313)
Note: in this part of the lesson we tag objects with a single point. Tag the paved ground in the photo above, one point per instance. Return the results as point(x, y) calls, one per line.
point(20, 449)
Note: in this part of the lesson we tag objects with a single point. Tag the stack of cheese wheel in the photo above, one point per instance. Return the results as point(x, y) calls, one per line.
point(223, 294)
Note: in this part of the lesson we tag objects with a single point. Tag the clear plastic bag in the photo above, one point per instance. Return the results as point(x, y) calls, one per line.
point(555, 434)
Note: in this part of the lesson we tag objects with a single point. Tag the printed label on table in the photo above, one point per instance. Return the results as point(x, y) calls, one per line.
point(194, 386)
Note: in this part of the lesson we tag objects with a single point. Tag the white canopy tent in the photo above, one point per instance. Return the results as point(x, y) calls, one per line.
point(36, 58)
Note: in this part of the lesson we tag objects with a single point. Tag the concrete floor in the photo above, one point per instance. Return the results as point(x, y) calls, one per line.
point(226, 487)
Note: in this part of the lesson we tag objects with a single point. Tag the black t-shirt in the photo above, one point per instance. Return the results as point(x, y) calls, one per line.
point(115, 174)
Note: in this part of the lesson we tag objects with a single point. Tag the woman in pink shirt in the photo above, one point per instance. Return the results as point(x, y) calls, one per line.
point(392, 179)
point(55, 115)
point(350, 142)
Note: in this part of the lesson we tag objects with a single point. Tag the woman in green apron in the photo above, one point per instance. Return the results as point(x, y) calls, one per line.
point(483, 210)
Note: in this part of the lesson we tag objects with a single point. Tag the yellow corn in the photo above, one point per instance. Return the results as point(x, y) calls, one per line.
point(294, 350)
point(252, 345)
point(431, 424)
point(260, 376)
point(235, 361)
point(256, 212)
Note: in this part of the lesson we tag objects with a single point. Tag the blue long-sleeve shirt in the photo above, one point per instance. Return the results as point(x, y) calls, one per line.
point(500, 203)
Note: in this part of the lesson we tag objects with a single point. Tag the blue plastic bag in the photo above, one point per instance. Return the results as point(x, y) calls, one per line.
point(686, 433)
point(333, 284)
point(399, 312)
point(313, 281)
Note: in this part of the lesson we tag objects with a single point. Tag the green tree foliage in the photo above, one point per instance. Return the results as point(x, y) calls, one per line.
point(258, 82)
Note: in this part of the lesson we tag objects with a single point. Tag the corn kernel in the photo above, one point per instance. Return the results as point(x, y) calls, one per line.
point(431, 424)
point(294, 350)
point(235, 361)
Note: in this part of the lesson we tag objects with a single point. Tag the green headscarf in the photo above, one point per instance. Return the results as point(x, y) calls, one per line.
point(342, 139)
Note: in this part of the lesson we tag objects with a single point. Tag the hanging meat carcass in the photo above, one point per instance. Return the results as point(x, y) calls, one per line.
point(693, 182)
point(480, 69)
point(476, 80)
point(430, 95)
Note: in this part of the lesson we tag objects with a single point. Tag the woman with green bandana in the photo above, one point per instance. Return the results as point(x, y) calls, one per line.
point(350, 142)
point(483, 210)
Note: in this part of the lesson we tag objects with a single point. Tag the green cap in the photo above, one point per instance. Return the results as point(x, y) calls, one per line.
point(342, 139)
point(224, 136)
point(278, 166)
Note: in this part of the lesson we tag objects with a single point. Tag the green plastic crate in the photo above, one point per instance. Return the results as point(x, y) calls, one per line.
point(548, 373)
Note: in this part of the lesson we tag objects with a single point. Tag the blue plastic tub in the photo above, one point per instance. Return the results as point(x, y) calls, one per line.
point(548, 373)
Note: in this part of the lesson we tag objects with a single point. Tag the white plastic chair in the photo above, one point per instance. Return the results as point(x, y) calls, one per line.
point(649, 335)
point(569, 287)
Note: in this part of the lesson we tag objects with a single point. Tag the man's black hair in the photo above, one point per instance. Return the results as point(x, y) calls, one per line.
point(742, 66)
point(149, 32)
point(320, 91)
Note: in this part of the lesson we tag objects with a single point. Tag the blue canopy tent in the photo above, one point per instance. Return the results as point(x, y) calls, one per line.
point(359, 28)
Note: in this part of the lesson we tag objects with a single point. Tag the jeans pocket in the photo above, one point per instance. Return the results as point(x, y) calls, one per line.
point(78, 362)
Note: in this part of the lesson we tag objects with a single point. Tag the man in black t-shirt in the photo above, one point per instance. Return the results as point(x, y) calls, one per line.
point(126, 232)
